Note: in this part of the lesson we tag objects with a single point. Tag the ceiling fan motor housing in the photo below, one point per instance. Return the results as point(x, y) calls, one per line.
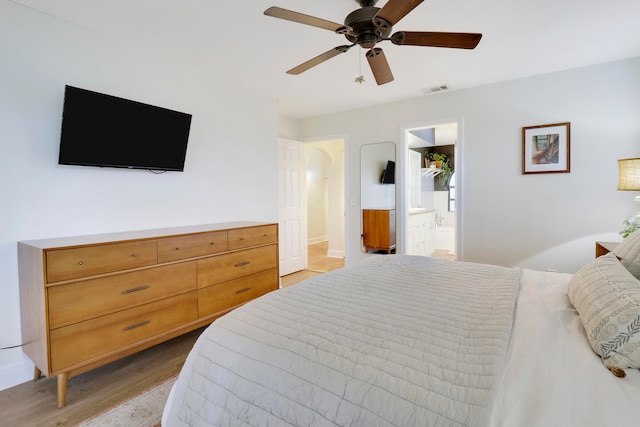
point(366, 3)
point(360, 28)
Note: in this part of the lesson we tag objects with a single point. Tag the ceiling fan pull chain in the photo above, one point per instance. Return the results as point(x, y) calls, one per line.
point(360, 79)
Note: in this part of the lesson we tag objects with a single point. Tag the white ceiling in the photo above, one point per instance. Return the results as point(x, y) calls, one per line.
point(233, 40)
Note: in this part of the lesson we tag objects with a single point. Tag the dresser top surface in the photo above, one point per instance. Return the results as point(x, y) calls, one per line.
point(58, 242)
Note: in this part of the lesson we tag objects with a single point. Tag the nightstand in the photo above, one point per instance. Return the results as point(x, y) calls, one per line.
point(603, 248)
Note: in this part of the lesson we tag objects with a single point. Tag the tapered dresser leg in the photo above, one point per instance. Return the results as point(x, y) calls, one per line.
point(37, 373)
point(63, 379)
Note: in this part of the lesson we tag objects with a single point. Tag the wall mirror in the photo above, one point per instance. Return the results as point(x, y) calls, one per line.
point(378, 197)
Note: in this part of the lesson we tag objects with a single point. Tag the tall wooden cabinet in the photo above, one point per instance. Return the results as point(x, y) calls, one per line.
point(89, 300)
point(379, 230)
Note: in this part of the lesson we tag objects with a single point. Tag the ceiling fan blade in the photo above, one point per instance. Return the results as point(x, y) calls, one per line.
point(394, 11)
point(379, 66)
point(453, 40)
point(319, 59)
point(301, 18)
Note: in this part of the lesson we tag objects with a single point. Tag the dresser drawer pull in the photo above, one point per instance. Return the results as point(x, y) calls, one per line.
point(242, 238)
point(243, 290)
point(178, 248)
point(242, 264)
point(134, 254)
point(137, 325)
point(139, 288)
point(81, 263)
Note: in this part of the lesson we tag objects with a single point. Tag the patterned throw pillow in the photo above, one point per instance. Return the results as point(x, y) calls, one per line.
point(629, 253)
point(607, 298)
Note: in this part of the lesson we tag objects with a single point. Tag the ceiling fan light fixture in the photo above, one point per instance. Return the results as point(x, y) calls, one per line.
point(370, 25)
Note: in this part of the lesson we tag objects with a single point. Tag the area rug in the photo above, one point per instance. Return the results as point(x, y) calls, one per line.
point(143, 410)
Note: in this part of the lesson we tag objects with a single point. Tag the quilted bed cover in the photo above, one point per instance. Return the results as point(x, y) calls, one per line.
point(392, 341)
point(404, 341)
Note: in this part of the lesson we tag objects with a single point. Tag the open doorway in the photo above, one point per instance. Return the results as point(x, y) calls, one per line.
point(324, 218)
point(432, 190)
point(325, 202)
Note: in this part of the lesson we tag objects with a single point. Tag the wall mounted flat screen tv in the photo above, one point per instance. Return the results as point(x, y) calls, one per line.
point(107, 131)
point(389, 173)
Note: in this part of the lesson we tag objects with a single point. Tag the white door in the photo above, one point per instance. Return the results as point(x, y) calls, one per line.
point(292, 201)
point(415, 178)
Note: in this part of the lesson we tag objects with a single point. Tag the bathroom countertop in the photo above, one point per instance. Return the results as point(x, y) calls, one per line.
point(419, 210)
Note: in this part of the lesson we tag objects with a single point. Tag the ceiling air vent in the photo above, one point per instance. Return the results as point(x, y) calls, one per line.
point(434, 89)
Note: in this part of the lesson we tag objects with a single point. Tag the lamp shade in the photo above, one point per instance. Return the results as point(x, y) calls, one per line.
point(629, 174)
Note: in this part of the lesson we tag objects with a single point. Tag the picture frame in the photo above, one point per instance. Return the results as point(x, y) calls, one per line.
point(546, 148)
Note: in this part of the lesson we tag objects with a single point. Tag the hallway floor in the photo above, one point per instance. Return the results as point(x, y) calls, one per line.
point(444, 253)
point(320, 263)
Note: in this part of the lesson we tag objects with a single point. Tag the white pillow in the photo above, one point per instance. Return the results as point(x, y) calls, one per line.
point(629, 253)
point(607, 297)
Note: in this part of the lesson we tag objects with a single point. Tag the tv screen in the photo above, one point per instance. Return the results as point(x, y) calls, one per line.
point(107, 131)
point(389, 174)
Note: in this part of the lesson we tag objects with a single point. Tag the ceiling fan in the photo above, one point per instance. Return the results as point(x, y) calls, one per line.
point(370, 25)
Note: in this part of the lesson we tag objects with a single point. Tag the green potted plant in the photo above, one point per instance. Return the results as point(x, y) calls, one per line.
point(441, 162)
point(628, 228)
point(443, 177)
point(437, 158)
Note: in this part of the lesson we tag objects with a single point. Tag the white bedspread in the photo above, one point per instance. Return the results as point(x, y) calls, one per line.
point(394, 341)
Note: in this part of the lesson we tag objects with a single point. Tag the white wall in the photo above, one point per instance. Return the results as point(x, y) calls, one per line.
point(547, 221)
point(287, 127)
point(42, 199)
point(316, 195)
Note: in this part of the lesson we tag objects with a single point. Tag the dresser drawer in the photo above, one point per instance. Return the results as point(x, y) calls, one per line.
point(65, 264)
point(220, 297)
point(84, 341)
point(190, 246)
point(245, 237)
point(75, 302)
point(226, 267)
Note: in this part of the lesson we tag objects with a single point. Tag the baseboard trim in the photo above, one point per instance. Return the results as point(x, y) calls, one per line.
point(314, 240)
point(16, 373)
point(335, 254)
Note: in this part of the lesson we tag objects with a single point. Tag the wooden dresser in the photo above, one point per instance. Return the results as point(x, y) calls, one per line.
point(89, 300)
point(379, 230)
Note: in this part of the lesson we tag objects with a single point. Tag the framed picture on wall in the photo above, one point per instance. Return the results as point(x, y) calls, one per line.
point(546, 148)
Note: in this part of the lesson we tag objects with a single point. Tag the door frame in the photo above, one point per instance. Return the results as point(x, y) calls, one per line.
point(346, 229)
point(403, 194)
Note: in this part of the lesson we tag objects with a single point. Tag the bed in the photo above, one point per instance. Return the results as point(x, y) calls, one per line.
point(400, 340)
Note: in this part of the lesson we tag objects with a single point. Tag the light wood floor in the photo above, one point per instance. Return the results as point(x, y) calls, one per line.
point(318, 263)
point(35, 403)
